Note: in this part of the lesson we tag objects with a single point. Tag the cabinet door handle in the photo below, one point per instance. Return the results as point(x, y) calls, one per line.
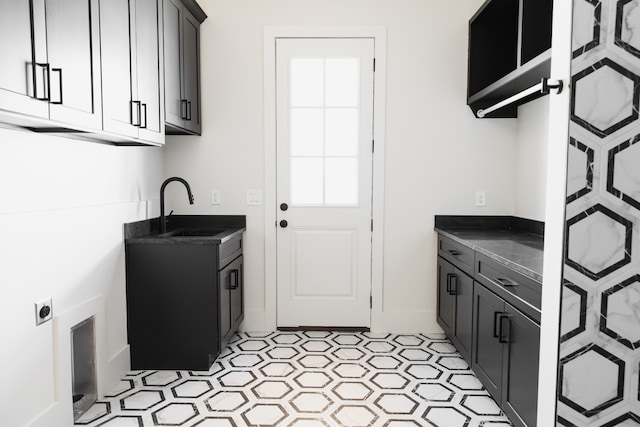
point(183, 109)
point(496, 332)
point(46, 82)
point(503, 336)
point(453, 285)
point(449, 283)
point(189, 111)
point(143, 114)
point(137, 105)
point(454, 252)
point(59, 71)
point(233, 279)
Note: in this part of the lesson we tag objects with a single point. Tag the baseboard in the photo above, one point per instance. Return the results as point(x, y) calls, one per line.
point(399, 322)
point(117, 367)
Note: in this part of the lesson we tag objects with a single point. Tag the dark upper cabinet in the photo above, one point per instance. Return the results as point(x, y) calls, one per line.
point(51, 62)
point(509, 51)
point(182, 21)
point(132, 73)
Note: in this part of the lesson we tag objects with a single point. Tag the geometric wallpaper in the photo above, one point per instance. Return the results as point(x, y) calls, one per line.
point(598, 376)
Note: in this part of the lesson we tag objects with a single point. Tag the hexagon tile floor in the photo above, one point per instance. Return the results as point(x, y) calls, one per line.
point(309, 379)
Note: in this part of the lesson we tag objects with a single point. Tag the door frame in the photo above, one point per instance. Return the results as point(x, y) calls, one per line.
point(379, 36)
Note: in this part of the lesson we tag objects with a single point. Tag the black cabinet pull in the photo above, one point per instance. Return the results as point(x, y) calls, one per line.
point(234, 281)
point(453, 286)
point(46, 80)
point(138, 113)
point(496, 332)
point(505, 281)
point(502, 336)
point(454, 252)
point(188, 118)
point(449, 283)
point(144, 114)
point(59, 71)
point(183, 109)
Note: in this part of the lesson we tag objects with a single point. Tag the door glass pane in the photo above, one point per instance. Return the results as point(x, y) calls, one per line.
point(341, 181)
point(342, 81)
point(307, 131)
point(307, 82)
point(341, 130)
point(306, 181)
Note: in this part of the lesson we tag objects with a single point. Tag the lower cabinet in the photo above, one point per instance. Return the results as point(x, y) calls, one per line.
point(184, 302)
point(505, 355)
point(455, 303)
point(231, 296)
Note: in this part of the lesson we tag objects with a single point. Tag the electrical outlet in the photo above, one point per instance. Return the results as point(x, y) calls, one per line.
point(481, 198)
point(44, 311)
point(215, 197)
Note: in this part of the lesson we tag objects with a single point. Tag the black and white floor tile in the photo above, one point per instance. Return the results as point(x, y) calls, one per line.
point(309, 379)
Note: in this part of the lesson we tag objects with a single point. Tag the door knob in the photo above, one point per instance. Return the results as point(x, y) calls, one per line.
point(284, 206)
point(284, 223)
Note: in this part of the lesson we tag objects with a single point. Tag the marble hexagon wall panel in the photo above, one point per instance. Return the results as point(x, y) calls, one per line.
point(599, 374)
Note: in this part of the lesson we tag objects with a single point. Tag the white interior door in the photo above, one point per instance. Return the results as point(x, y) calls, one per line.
point(324, 179)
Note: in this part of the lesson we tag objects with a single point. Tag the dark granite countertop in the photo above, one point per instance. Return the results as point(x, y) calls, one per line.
point(209, 229)
point(514, 242)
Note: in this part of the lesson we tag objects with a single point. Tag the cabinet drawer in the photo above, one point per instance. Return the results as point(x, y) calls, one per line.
point(228, 251)
point(459, 255)
point(520, 291)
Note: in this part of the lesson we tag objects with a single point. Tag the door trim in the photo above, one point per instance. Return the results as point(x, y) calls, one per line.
point(379, 35)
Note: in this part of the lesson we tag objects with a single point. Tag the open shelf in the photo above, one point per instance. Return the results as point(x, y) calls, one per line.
point(509, 51)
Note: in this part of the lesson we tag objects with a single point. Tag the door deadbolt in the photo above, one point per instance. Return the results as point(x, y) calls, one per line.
point(284, 206)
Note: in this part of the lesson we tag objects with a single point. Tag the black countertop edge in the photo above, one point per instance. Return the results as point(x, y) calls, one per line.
point(140, 230)
point(496, 222)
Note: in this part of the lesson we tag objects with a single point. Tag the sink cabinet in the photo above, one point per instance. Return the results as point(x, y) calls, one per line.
point(182, 21)
point(184, 301)
point(51, 63)
point(131, 73)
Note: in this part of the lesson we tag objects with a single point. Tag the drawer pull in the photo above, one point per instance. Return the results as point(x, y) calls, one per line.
point(454, 252)
point(506, 282)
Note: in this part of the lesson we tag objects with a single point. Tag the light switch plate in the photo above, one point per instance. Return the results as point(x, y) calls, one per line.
point(481, 198)
point(254, 197)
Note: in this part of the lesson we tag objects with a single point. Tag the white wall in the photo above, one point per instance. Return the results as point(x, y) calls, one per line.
point(62, 206)
point(531, 143)
point(437, 153)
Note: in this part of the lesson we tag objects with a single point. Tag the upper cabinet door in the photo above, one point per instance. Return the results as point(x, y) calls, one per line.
point(117, 89)
point(73, 48)
point(182, 67)
point(131, 74)
point(149, 71)
point(173, 63)
point(191, 70)
point(22, 45)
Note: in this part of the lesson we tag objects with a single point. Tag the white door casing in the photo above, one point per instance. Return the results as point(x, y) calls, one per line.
point(324, 133)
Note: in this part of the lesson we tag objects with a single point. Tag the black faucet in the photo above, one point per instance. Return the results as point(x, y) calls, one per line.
point(163, 222)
